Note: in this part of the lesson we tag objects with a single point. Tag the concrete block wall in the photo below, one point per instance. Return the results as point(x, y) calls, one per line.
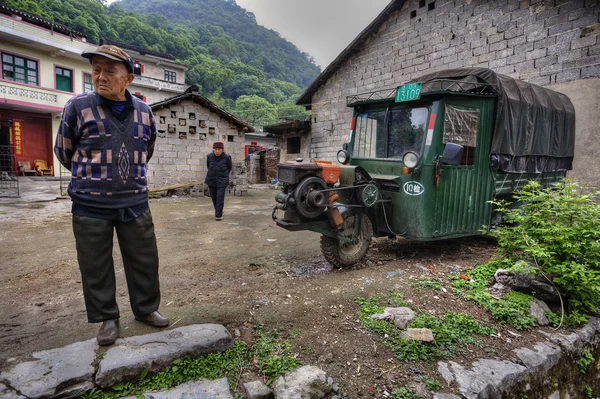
point(540, 41)
point(180, 154)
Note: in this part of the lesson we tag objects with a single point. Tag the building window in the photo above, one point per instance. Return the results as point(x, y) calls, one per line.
point(170, 76)
point(138, 68)
point(19, 69)
point(88, 84)
point(293, 145)
point(64, 79)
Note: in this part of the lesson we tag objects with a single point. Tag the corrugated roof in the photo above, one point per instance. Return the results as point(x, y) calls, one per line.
point(306, 97)
point(205, 102)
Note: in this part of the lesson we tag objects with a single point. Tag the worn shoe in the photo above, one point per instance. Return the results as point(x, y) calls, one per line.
point(109, 332)
point(218, 218)
point(155, 319)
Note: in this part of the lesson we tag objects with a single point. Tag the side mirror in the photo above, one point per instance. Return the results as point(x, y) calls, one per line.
point(452, 154)
point(345, 146)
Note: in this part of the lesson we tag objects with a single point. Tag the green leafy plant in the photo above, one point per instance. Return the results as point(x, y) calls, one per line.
point(404, 393)
point(272, 355)
point(428, 284)
point(587, 359)
point(556, 229)
point(430, 383)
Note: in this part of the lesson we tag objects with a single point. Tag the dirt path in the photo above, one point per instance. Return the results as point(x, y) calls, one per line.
point(242, 269)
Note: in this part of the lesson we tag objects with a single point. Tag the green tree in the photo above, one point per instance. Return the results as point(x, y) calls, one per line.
point(256, 110)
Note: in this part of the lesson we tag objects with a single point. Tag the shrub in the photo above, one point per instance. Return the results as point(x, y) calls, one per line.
point(557, 229)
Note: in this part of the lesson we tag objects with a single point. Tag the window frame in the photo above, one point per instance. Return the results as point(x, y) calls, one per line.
point(56, 77)
point(289, 145)
point(170, 76)
point(84, 82)
point(25, 67)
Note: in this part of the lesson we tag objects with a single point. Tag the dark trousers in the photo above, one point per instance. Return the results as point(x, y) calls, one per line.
point(137, 241)
point(218, 198)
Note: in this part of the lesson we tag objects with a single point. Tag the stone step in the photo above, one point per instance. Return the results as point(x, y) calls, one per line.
point(70, 371)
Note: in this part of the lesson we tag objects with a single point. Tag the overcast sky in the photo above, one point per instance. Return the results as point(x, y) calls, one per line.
point(321, 28)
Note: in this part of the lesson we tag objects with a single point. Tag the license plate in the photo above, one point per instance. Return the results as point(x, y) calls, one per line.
point(409, 92)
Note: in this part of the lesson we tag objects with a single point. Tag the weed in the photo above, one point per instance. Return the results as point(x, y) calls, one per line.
point(575, 318)
point(428, 284)
point(430, 384)
point(404, 393)
point(273, 356)
point(587, 390)
point(452, 332)
point(586, 361)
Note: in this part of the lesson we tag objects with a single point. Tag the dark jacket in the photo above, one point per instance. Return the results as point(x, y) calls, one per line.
point(218, 170)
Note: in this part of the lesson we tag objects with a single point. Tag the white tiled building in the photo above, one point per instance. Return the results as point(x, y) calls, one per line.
point(42, 68)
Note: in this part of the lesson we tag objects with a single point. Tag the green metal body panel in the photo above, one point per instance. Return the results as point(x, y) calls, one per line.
point(417, 205)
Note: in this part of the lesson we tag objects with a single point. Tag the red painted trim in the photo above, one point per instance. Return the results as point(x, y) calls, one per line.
point(31, 105)
point(72, 78)
point(431, 122)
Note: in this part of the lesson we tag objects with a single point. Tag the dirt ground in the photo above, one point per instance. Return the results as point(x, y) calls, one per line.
point(241, 271)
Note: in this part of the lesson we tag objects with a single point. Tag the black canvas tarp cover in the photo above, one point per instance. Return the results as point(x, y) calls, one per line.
point(534, 130)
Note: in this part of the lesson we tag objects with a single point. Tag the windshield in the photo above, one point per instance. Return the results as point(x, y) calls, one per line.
point(389, 133)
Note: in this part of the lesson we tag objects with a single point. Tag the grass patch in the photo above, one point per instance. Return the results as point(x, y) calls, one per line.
point(453, 332)
point(428, 283)
point(404, 393)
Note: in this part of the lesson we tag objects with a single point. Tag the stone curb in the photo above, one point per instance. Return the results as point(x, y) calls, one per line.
point(488, 378)
point(70, 371)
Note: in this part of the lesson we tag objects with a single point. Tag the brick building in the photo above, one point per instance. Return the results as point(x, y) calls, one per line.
point(188, 125)
point(552, 43)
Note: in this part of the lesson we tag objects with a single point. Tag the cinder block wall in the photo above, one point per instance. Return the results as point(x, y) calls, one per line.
point(540, 41)
point(178, 160)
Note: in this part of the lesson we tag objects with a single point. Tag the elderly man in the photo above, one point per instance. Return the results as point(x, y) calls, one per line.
point(105, 139)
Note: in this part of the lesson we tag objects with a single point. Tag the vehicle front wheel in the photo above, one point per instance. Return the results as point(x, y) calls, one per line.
point(341, 254)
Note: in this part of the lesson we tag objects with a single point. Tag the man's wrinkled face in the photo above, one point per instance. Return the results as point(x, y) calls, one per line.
point(110, 78)
point(217, 151)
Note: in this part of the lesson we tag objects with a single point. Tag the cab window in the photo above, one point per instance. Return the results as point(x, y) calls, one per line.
point(460, 127)
point(390, 133)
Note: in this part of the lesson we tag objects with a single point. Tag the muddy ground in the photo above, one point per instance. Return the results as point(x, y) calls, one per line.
point(238, 272)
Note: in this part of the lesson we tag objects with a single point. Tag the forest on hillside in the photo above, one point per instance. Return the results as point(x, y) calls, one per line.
point(243, 67)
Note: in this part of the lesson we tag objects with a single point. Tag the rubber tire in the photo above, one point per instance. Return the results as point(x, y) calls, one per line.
point(339, 256)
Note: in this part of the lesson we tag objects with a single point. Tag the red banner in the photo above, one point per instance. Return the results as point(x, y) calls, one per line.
point(18, 141)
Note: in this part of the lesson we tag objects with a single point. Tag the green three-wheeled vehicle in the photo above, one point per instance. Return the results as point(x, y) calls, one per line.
point(425, 160)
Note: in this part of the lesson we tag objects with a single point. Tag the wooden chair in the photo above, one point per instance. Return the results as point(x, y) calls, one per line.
point(25, 169)
point(42, 168)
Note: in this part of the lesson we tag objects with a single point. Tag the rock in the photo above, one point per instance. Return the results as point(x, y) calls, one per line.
point(306, 382)
point(6, 393)
point(419, 334)
point(66, 372)
point(130, 356)
point(542, 358)
point(537, 286)
point(486, 378)
point(438, 395)
point(498, 290)
point(538, 310)
point(401, 316)
point(257, 390)
point(200, 389)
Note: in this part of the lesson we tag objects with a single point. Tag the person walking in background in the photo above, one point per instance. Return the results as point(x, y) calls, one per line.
point(217, 177)
point(105, 139)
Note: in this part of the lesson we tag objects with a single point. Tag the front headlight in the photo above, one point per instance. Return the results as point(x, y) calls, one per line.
point(410, 159)
point(343, 157)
